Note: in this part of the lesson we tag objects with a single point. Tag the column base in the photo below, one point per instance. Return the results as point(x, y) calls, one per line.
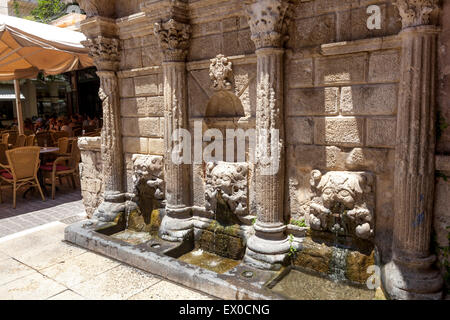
point(412, 279)
point(268, 249)
point(112, 207)
point(177, 224)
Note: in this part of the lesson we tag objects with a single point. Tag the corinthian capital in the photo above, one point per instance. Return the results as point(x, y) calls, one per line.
point(105, 52)
point(416, 12)
point(268, 22)
point(102, 8)
point(173, 39)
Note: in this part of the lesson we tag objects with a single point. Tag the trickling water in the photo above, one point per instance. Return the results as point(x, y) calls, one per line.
point(338, 264)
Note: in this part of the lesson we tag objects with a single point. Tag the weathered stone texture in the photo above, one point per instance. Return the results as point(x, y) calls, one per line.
point(341, 70)
point(90, 173)
point(303, 75)
point(317, 101)
point(300, 130)
point(384, 66)
point(369, 100)
point(150, 85)
point(381, 132)
point(341, 131)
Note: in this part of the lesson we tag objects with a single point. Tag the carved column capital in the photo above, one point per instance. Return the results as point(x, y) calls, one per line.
point(173, 39)
point(103, 8)
point(268, 22)
point(416, 12)
point(105, 51)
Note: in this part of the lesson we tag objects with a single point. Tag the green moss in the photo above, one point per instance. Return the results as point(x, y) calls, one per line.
point(299, 223)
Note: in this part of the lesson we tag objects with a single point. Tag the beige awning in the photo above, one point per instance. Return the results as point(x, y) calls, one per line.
point(28, 47)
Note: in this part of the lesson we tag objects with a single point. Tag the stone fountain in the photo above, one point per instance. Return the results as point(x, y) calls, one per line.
point(350, 201)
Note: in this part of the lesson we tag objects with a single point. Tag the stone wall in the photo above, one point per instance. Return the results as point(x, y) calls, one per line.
point(441, 211)
point(341, 94)
point(340, 97)
point(141, 92)
point(90, 173)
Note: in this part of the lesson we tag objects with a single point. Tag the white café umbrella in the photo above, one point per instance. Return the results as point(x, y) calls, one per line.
point(28, 47)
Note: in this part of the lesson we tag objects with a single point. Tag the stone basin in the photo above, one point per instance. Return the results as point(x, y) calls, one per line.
point(304, 285)
point(190, 265)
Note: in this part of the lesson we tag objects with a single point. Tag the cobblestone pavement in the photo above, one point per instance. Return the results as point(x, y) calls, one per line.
point(32, 211)
point(36, 262)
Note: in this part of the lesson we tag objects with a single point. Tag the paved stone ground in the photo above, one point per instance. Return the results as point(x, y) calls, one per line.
point(36, 263)
point(32, 211)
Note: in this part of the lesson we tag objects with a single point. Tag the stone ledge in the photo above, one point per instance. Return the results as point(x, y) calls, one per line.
point(139, 72)
point(443, 163)
point(226, 286)
point(364, 45)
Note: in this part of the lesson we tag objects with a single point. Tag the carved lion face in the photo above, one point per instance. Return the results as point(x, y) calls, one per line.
point(339, 188)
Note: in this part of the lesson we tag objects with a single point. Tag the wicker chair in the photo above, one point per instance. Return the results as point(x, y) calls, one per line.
point(3, 159)
point(44, 139)
point(22, 169)
point(12, 136)
point(5, 138)
point(29, 142)
point(56, 135)
point(20, 142)
point(63, 166)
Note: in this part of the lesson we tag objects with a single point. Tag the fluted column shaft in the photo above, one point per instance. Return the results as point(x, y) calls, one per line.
point(268, 248)
point(174, 41)
point(111, 148)
point(269, 121)
point(105, 51)
point(175, 118)
point(411, 275)
point(416, 137)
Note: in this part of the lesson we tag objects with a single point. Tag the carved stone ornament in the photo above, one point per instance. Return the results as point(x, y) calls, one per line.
point(173, 39)
point(103, 8)
point(416, 12)
point(220, 71)
point(227, 182)
point(148, 171)
point(105, 52)
point(342, 203)
point(268, 22)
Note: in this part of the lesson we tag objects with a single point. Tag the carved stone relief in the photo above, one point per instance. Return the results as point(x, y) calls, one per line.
point(342, 203)
point(227, 182)
point(416, 12)
point(220, 72)
point(173, 39)
point(268, 22)
point(105, 51)
point(148, 171)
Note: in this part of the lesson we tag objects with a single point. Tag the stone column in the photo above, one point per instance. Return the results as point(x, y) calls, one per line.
point(410, 274)
point(268, 248)
point(105, 52)
point(174, 41)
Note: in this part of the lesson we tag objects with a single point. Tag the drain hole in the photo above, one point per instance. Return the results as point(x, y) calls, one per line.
point(247, 274)
point(156, 245)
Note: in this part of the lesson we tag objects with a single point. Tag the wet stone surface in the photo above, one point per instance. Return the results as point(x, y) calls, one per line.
point(133, 237)
point(304, 286)
point(209, 261)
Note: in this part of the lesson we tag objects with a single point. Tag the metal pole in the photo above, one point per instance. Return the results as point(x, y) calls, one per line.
point(18, 106)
